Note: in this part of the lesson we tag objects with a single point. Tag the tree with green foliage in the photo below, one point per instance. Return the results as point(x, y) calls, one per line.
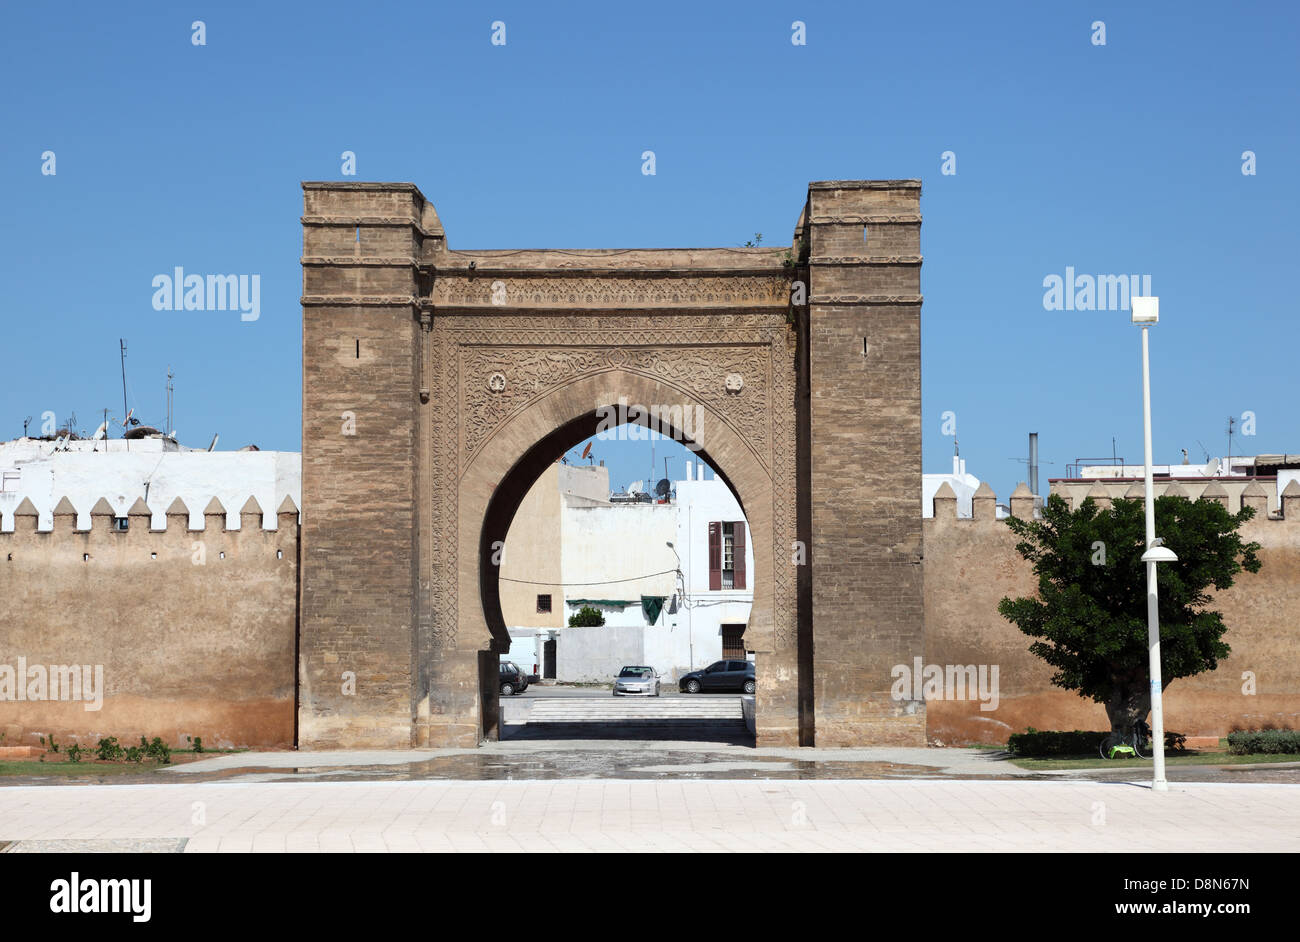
point(1090, 616)
point(586, 617)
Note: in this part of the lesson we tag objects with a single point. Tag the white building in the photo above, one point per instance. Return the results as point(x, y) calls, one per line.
point(154, 468)
point(963, 484)
point(717, 563)
point(671, 576)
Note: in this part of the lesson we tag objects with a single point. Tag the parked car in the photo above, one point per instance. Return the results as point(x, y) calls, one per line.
point(513, 680)
point(720, 675)
point(637, 681)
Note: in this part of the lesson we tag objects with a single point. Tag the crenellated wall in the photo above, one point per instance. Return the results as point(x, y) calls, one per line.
point(970, 564)
point(194, 630)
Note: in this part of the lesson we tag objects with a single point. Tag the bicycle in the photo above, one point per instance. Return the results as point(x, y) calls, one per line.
point(1114, 746)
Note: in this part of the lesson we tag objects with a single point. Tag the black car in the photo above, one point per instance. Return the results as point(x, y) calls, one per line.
point(720, 675)
point(513, 680)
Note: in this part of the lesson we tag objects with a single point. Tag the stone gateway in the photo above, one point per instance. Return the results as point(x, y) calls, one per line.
point(438, 384)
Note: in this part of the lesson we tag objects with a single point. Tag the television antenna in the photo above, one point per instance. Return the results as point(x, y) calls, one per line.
point(171, 393)
point(122, 345)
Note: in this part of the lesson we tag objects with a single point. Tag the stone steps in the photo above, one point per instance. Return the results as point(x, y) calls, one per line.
point(620, 710)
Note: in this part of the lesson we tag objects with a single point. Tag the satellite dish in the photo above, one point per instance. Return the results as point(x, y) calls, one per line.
point(1212, 467)
point(635, 487)
point(663, 488)
point(100, 432)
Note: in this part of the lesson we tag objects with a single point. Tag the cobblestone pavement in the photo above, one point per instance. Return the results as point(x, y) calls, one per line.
point(608, 815)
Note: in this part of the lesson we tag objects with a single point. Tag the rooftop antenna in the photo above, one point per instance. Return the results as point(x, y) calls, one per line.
point(1203, 449)
point(652, 457)
point(1231, 422)
point(26, 422)
point(122, 344)
point(171, 390)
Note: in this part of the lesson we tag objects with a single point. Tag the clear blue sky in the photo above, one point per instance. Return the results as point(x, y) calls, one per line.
point(1123, 158)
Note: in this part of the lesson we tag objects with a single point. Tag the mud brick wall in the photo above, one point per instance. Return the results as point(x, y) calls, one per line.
point(194, 629)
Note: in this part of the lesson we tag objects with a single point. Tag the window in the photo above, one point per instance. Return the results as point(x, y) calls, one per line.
point(120, 523)
point(727, 555)
point(543, 603)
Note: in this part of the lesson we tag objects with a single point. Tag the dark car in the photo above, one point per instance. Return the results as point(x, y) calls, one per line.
point(513, 680)
point(720, 675)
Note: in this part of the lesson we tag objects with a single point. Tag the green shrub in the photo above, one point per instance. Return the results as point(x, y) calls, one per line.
point(74, 753)
point(587, 617)
point(110, 750)
point(1264, 742)
point(1051, 744)
point(156, 750)
point(1036, 744)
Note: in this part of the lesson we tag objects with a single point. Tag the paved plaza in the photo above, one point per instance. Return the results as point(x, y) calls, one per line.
point(673, 815)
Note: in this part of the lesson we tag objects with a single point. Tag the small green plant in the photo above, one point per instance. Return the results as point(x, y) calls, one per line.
point(755, 242)
point(109, 750)
point(74, 753)
point(157, 749)
point(196, 743)
point(134, 754)
point(54, 747)
point(587, 617)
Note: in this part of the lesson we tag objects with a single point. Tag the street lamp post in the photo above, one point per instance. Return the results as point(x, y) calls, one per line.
point(1146, 311)
point(690, 625)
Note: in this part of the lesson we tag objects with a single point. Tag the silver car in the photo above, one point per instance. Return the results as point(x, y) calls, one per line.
point(637, 682)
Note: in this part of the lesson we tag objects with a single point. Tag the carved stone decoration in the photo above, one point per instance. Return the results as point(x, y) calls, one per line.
point(734, 383)
point(497, 382)
point(540, 353)
point(614, 290)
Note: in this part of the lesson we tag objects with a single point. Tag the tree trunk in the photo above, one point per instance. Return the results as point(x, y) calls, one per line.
point(1128, 705)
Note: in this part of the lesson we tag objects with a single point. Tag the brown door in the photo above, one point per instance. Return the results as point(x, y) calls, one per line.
point(733, 641)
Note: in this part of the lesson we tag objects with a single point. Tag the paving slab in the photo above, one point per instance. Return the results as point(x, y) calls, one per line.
point(901, 815)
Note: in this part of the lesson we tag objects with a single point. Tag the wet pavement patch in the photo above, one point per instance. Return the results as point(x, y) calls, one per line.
point(595, 763)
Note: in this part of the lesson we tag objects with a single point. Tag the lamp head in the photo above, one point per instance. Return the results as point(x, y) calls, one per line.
point(1145, 310)
point(1159, 554)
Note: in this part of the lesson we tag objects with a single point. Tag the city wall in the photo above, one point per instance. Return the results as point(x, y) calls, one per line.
point(970, 564)
point(194, 630)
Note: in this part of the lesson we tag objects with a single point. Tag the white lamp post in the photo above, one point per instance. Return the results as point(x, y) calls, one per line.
point(1146, 311)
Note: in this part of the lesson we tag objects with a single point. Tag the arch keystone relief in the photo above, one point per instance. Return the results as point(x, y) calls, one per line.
point(484, 367)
